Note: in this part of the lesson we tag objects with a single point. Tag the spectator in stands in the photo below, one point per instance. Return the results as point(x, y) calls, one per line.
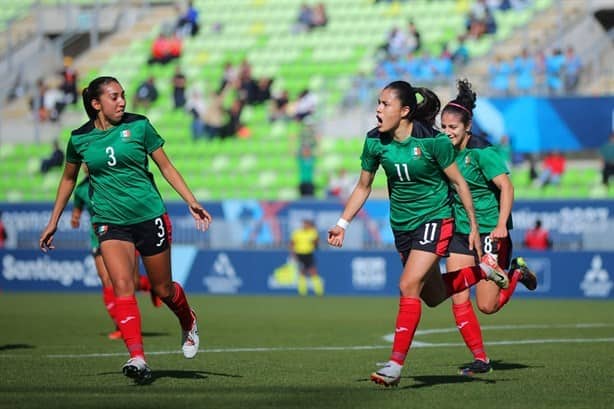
point(303, 20)
point(278, 107)
point(56, 159)
point(196, 106)
point(319, 17)
point(571, 70)
point(263, 91)
point(48, 102)
point(413, 42)
point(341, 185)
point(165, 49)
point(146, 93)
point(179, 85)
point(553, 166)
point(607, 159)
point(187, 24)
point(69, 81)
point(305, 105)
point(537, 238)
point(229, 76)
point(233, 123)
point(3, 234)
point(214, 115)
point(306, 166)
point(461, 54)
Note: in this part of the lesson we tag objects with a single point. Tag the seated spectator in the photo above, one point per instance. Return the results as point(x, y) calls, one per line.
point(537, 238)
point(214, 115)
point(56, 159)
point(146, 94)
point(607, 160)
point(553, 166)
point(303, 20)
point(195, 105)
point(305, 105)
point(461, 54)
point(319, 18)
point(179, 84)
point(164, 49)
point(278, 107)
point(263, 91)
point(187, 24)
point(48, 102)
point(233, 124)
point(230, 76)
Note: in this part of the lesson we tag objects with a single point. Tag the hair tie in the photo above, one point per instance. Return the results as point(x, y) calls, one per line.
point(454, 104)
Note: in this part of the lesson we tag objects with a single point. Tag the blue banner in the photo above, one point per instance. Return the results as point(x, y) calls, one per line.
point(544, 124)
point(578, 274)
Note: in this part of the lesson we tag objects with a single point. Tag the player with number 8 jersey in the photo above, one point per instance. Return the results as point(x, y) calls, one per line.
point(128, 212)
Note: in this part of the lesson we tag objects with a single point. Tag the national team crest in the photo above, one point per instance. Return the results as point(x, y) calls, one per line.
point(126, 134)
point(467, 160)
point(102, 229)
point(417, 151)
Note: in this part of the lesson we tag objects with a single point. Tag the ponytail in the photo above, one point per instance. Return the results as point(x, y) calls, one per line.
point(464, 103)
point(428, 108)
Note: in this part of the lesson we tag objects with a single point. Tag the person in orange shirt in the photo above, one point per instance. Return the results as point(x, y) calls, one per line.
point(537, 238)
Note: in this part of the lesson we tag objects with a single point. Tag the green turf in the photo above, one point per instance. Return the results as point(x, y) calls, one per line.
point(45, 341)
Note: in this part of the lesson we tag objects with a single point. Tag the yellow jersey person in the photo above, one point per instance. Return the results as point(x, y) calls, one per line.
point(303, 244)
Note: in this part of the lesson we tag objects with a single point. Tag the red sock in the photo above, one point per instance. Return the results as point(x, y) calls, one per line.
point(506, 293)
point(129, 321)
point(408, 318)
point(459, 280)
point(144, 283)
point(469, 327)
point(179, 305)
point(108, 297)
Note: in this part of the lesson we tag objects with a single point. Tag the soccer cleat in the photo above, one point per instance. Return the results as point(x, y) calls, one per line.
point(190, 340)
point(477, 366)
point(493, 271)
point(527, 277)
point(137, 369)
point(389, 375)
point(155, 300)
point(117, 334)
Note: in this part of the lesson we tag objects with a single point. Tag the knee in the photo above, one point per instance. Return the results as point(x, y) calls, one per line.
point(163, 290)
point(487, 308)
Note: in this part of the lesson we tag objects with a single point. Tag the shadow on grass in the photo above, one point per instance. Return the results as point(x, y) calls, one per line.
point(10, 347)
point(145, 334)
point(177, 374)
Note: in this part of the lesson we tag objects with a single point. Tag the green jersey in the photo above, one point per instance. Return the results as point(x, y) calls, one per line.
point(417, 185)
point(479, 167)
point(122, 188)
point(81, 200)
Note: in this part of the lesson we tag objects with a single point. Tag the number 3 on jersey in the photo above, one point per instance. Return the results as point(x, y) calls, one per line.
point(111, 154)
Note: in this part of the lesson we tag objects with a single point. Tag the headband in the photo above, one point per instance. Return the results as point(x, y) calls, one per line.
point(454, 104)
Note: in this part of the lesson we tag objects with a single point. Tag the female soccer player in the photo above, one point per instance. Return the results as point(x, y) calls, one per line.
point(128, 211)
point(81, 201)
point(493, 195)
point(418, 170)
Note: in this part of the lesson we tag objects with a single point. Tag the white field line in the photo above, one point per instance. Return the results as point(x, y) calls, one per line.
point(415, 344)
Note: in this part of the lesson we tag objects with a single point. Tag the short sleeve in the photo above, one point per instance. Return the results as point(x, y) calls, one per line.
point(443, 151)
point(152, 139)
point(491, 163)
point(369, 160)
point(72, 155)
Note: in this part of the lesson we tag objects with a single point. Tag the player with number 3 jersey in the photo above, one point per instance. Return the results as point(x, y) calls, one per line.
point(127, 211)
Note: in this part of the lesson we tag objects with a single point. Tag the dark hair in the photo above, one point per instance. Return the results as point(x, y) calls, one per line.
point(429, 107)
point(426, 110)
point(93, 91)
point(464, 102)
